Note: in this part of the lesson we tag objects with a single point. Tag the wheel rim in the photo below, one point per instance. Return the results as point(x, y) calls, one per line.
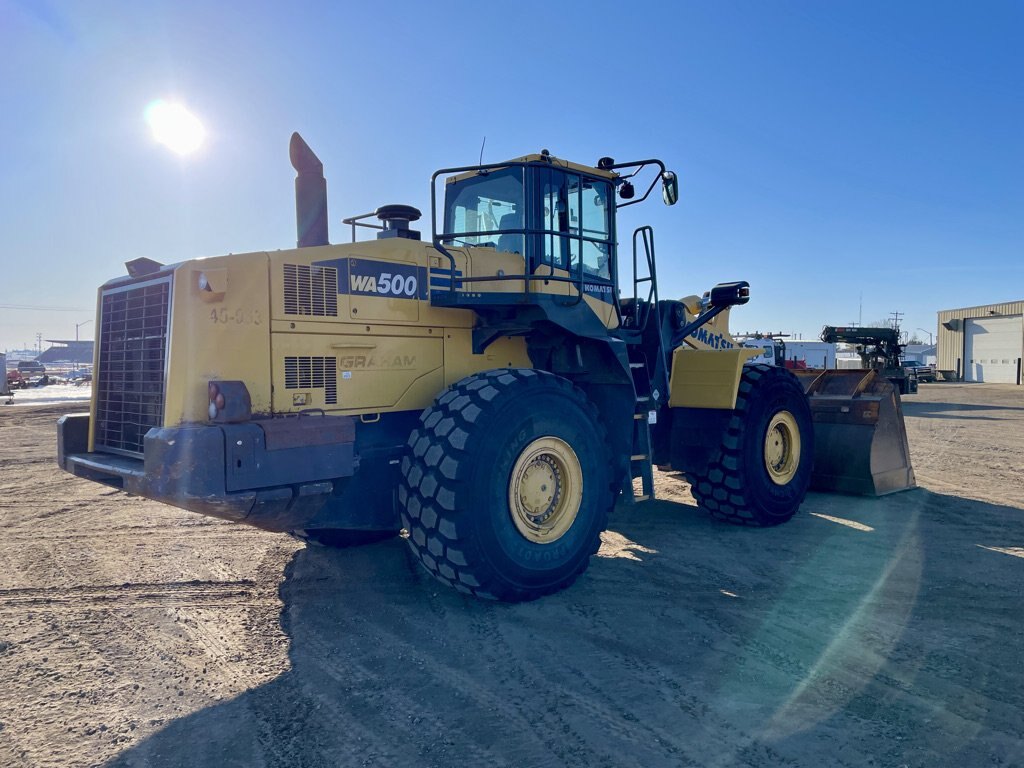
point(782, 448)
point(545, 490)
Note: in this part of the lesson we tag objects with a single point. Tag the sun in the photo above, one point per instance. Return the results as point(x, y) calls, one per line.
point(175, 127)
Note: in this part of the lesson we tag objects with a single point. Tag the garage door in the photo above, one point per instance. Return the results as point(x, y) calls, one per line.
point(993, 349)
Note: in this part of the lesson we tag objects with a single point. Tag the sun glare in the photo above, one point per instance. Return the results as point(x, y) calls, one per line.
point(175, 127)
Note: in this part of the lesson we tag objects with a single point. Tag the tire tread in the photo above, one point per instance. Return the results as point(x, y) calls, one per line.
point(432, 487)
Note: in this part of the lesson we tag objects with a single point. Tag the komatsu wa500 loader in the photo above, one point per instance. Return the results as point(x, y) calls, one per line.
point(491, 390)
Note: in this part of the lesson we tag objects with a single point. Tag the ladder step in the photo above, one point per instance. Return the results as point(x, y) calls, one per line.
point(638, 457)
point(643, 399)
point(645, 497)
point(639, 416)
point(636, 365)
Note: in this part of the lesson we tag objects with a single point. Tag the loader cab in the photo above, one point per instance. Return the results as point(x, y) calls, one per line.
point(552, 227)
point(559, 218)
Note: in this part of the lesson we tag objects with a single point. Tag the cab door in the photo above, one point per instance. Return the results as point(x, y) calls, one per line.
point(573, 217)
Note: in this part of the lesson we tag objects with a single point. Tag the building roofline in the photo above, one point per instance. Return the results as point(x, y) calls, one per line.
point(982, 306)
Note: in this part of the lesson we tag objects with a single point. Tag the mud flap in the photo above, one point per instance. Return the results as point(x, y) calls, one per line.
point(860, 438)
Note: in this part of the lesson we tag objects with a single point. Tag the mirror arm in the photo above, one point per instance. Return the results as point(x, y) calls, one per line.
point(639, 165)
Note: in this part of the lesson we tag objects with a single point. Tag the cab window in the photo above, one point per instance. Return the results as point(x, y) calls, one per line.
point(574, 216)
point(554, 217)
point(481, 209)
point(591, 220)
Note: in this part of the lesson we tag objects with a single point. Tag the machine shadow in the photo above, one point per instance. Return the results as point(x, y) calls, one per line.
point(950, 410)
point(686, 642)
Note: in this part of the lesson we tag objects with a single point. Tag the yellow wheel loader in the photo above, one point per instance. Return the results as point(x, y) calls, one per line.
point(492, 391)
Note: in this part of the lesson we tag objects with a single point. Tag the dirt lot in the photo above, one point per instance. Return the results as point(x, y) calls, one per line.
point(880, 632)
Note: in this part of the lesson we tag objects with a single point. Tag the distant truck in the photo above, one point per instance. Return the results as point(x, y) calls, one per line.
point(773, 351)
point(879, 349)
point(31, 368)
point(793, 354)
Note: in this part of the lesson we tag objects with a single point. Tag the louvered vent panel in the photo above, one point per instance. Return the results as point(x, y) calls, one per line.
point(311, 291)
point(313, 373)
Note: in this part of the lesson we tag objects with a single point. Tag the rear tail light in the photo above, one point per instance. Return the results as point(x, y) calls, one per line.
point(229, 401)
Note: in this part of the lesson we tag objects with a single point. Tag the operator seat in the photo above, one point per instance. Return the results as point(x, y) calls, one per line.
point(510, 243)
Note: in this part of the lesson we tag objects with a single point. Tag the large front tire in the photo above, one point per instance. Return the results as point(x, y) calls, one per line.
point(761, 472)
point(507, 485)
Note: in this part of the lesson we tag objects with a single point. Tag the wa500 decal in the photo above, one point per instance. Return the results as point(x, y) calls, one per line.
point(368, 277)
point(380, 278)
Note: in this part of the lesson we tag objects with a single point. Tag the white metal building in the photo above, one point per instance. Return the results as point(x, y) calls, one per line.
point(984, 344)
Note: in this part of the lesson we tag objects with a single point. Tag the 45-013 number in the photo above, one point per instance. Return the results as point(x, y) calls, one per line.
point(235, 317)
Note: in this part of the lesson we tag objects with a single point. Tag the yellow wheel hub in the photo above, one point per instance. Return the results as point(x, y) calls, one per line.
point(545, 490)
point(782, 448)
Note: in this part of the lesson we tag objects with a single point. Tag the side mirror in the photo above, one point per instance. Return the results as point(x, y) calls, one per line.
point(669, 188)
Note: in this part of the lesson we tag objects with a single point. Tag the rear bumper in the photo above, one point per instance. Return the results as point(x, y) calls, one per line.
point(272, 475)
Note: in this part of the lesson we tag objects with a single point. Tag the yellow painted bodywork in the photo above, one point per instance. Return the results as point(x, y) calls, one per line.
point(707, 373)
point(707, 378)
point(392, 354)
point(715, 333)
point(221, 333)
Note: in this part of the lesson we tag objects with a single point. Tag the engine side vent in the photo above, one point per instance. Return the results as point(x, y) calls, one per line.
point(311, 291)
point(313, 373)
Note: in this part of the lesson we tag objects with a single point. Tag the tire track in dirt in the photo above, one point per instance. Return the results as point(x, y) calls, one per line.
point(145, 532)
point(427, 660)
point(182, 641)
point(379, 678)
point(152, 595)
point(594, 705)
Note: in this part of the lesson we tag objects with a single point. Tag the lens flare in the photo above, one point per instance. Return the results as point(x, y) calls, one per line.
point(175, 127)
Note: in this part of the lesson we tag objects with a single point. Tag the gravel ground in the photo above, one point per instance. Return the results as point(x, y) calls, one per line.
point(866, 632)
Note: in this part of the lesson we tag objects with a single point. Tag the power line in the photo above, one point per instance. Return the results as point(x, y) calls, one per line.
point(44, 308)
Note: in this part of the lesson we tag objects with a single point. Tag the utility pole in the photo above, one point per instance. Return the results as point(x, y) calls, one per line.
point(79, 325)
point(896, 319)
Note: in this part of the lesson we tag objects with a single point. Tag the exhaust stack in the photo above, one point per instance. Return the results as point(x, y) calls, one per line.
point(310, 194)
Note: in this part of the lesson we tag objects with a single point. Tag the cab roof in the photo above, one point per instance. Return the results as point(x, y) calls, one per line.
point(556, 162)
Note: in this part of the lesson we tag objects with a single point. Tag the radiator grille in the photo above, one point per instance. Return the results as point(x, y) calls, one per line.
point(310, 291)
point(132, 354)
point(313, 373)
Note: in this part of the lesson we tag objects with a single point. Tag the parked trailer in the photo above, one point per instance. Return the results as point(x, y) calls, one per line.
point(816, 354)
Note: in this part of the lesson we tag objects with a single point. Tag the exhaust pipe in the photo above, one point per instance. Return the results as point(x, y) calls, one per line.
point(310, 194)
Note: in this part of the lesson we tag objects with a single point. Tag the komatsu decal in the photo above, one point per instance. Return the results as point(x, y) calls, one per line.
point(388, 279)
point(601, 291)
point(713, 340)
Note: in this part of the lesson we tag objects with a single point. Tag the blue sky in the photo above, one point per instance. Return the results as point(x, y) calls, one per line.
point(826, 150)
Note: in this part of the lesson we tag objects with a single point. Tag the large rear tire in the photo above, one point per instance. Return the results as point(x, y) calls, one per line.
point(507, 485)
point(761, 472)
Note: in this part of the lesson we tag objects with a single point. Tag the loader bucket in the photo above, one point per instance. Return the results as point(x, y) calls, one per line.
point(860, 439)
